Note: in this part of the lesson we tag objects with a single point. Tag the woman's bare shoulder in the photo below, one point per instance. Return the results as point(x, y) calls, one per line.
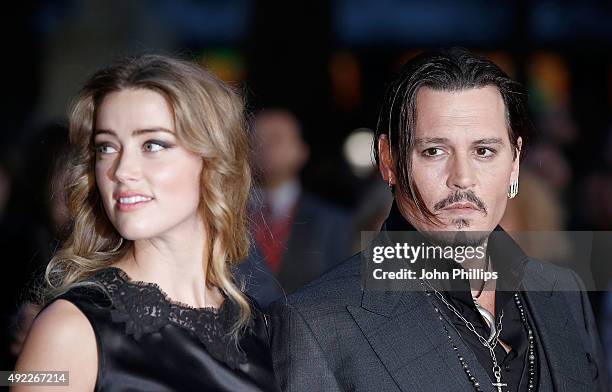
point(61, 338)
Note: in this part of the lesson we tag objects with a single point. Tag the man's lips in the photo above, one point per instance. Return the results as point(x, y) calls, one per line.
point(461, 208)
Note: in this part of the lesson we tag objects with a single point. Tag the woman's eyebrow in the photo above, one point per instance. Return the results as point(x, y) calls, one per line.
point(135, 132)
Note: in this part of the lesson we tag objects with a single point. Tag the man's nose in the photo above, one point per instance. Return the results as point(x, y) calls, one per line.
point(127, 167)
point(461, 173)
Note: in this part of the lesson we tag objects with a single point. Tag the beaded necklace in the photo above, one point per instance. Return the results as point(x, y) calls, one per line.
point(496, 369)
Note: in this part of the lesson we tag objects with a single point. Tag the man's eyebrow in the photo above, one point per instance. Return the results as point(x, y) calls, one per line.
point(134, 133)
point(443, 140)
point(430, 140)
point(491, 140)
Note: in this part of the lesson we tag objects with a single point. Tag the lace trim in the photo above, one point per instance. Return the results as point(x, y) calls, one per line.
point(145, 308)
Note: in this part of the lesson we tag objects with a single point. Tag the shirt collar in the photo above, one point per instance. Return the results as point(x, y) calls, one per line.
point(282, 199)
point(507, 258)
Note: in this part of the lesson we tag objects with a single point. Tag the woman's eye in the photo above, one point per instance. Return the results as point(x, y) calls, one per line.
point(433, 152)
point(153, 146)
point(484, 152)
point(105, 149)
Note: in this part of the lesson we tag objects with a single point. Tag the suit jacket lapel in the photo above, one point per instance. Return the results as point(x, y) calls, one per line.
point(557, 333)
point(408, 338)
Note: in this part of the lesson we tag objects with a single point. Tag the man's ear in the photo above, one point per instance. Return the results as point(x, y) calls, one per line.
point(385, 160)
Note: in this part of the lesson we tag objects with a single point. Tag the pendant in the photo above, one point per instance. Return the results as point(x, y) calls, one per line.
point(489, 319)
point(498, 384)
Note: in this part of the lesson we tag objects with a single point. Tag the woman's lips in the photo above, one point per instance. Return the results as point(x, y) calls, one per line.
point(125, 207)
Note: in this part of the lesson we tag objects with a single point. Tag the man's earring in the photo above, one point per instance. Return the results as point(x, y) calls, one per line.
point(513, 190)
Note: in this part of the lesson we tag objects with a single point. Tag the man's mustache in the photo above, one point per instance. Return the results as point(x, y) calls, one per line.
point(459, 196)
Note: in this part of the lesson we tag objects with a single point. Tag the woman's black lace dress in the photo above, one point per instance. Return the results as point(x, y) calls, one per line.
point(147, 342)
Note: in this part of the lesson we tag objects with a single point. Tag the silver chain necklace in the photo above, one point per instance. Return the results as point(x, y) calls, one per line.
point(490, 345)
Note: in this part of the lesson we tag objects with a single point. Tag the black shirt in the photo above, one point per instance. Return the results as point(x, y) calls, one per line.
point(508, 260)
point(514, 364)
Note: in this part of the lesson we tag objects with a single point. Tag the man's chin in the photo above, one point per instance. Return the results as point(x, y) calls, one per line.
point(467, 224)
point(458, 237)
point(461, 231)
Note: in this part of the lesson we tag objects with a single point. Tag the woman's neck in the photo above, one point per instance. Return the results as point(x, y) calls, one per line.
point(177, 262)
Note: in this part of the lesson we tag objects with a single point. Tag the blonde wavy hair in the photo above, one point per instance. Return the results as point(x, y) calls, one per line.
point(210, 121)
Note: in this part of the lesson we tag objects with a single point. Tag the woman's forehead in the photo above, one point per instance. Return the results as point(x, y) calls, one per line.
point(130, 110)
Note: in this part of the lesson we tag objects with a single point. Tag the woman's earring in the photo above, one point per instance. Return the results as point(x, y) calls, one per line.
point(513, 190)
point(391, 185)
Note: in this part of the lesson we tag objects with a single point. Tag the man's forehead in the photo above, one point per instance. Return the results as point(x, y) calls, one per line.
point(477, 113)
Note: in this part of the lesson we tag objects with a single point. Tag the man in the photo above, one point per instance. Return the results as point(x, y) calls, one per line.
point(450, 136)
point(297, 236)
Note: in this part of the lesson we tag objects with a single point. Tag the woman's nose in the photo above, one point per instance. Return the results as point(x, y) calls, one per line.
point(127, 167)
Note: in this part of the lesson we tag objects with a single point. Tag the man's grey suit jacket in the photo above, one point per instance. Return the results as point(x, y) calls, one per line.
point(333, 336)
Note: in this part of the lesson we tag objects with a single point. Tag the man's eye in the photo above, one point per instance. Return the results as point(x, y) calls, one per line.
point(153, 146)
point(433, 152)
point(105, 149)
point(484, 152)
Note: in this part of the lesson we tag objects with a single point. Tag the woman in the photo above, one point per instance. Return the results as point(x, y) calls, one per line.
point(141, 296)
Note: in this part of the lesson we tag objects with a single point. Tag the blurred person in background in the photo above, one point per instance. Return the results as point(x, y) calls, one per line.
point(8, 301)
point(297, 235)
point(140, 296)
point(372, 209)
point(538, 208)
point(48, 212)
point(32, 227)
